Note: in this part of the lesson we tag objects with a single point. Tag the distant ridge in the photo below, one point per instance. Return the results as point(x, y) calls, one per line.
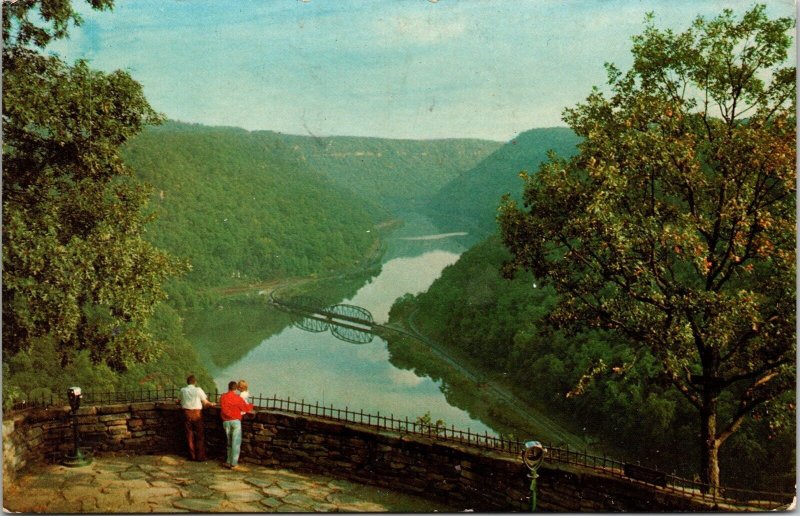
point(469, 202)
point(401, 175)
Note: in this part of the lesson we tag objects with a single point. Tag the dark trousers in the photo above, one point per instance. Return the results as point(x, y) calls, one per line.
point(195, 434)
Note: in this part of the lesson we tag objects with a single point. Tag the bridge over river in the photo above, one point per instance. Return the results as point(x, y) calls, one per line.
point(349, 323)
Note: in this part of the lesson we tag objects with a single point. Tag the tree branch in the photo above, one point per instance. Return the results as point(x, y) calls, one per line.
point(747, 404)
point(767, 372)
point(684, 389)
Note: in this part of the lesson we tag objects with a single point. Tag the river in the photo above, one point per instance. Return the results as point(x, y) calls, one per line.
point(318, 367)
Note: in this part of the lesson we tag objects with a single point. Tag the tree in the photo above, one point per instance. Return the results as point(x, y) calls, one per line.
point(675, 224)
point(77, 273)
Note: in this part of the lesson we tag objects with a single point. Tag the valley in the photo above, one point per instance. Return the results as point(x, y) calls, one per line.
point(539, 221)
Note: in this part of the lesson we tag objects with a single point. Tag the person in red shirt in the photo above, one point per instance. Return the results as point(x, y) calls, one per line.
point(232, 408)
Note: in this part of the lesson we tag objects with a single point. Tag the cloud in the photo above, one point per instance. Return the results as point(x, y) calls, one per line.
point(421, 28)
point(491, 69)
point(405, 378)
point(374, 354)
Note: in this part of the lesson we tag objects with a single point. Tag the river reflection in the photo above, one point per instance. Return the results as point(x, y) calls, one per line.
point(317, 367)
point(400, 276)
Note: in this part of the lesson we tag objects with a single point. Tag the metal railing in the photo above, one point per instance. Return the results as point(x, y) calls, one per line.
point(389, 423)
point(89, 398)
point(667, 483)
point(724, 496)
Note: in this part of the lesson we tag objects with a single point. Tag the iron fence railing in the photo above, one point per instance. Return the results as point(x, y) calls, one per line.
point(389, 422)
point(663, 482)
point(89, 398)
point(669, 483)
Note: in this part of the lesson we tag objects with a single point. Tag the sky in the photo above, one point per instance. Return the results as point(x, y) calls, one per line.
point(418, 69)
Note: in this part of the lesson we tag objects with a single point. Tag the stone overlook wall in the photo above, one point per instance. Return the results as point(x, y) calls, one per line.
point(461, 476)
point(44, 434)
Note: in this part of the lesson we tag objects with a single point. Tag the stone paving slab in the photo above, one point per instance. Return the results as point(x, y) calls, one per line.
point(168, 483)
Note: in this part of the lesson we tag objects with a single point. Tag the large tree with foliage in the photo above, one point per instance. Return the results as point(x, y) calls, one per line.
point(675, 224)
point(78, 278)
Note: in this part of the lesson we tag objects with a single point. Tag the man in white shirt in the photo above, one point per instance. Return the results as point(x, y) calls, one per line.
point(192, 400)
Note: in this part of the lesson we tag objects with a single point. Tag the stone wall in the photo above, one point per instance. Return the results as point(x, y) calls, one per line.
point(46, 434)
point(463, 477)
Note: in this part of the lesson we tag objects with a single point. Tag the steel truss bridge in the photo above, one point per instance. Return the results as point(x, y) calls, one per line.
point(349, 323)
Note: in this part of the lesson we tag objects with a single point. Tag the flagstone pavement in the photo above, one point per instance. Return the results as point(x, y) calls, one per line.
point(168, 483)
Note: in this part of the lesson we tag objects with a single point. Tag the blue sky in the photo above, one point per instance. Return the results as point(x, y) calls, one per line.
point(399, 68)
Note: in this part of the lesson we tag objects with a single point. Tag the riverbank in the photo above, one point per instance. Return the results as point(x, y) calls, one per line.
point(371, 259)
point(482, 393)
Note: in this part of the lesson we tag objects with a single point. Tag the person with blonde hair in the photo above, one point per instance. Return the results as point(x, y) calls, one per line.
point(243, 392)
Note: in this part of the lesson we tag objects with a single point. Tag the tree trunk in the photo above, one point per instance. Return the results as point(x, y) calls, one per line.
point(709, 445)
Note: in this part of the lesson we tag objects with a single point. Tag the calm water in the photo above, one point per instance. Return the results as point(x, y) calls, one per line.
point(318, 367)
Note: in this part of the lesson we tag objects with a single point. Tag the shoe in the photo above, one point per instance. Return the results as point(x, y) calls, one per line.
point(226, 465)
point(234, 468)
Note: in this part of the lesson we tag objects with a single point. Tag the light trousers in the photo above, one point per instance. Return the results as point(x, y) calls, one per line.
point(233, 431)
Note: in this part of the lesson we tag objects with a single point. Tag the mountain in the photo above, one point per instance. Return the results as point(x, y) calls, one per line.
point(253, 206)
point(469, 202)
point(243, 206)
point(401, 175)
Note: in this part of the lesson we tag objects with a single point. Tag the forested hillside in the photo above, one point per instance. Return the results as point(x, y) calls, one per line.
point(591, 377)
point(243, 206)
point(469, 202)
point(398, 174)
